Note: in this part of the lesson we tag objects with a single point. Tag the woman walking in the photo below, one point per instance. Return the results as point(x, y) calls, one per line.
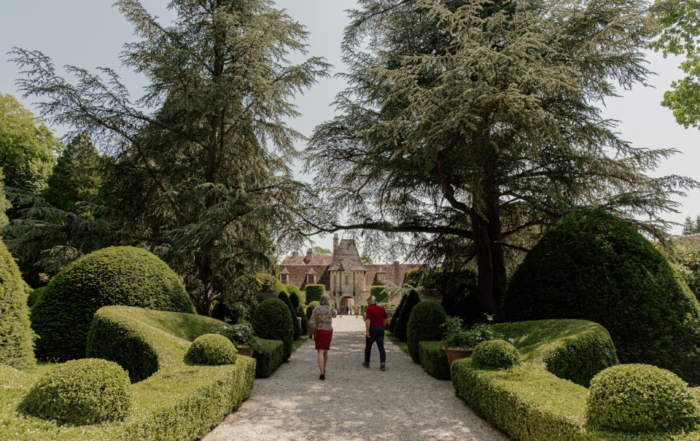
point(325, 314)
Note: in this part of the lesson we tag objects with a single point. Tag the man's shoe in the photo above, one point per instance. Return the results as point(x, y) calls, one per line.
point(365, 364)
point(382, 368)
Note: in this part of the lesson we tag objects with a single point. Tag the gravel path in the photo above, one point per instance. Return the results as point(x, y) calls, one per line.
point(354, 403)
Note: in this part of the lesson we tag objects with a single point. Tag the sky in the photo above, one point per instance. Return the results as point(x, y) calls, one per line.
point(90, 34)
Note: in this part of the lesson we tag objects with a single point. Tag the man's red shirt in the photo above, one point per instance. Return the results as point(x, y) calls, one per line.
point(376, 316)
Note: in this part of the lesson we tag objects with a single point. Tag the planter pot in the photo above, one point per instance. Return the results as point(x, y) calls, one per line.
point(245, 350)
point(457, 353)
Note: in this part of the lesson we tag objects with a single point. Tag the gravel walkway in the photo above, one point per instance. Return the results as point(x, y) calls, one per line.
point(354, 403)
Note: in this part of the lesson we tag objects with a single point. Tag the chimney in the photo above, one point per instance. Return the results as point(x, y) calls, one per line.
point(309, 255)
point(335, 243)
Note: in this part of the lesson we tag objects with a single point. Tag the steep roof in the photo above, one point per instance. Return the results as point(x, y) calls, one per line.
point(301, 260)
point(347, 257)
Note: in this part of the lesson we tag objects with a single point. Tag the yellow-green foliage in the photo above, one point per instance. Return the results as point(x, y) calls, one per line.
point(495, 354)
point(295, 296)
point(178, 402)
point(314, 293)
point(211, 350)
point(16, 336)
point(310, 309)
point(433, 359)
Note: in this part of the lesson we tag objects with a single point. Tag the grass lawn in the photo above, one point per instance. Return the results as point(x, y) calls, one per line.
point(403, 346)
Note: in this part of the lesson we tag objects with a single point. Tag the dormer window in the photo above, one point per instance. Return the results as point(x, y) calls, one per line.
point(380, 277)
point(310, 279)
point(285, 279)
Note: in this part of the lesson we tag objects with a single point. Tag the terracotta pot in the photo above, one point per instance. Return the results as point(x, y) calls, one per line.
point(457, 353)
point(245, 350)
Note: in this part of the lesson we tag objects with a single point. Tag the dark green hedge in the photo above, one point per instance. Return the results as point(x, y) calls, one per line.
point(395, 318)
point(34, 296)
point(314, 293)
point(401, 329)
point(424, 324)
point(304, 324)
point(378, 292)
point(591, 266)
point(269, 355)
point(296, 326)
point(295, 296)
point(273, 321)
point(433, 359)
point(310, 309)
point(16, 336)
point(112, 276)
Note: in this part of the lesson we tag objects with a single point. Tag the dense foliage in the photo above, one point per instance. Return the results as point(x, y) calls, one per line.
point(211, 350)
point(293, 313)
point(691, 227)
point(269, 355)
point(81, 392)
point(294, 296)
point(314, 292)
point(34, 296)
point(591, 266)
point(273, 321)
point(310, 309)
point(379, 294)
point(433, 359)
point(424, 324)
point(401, 328)
point(395, 318)
point(111, 276)
point(495, 354)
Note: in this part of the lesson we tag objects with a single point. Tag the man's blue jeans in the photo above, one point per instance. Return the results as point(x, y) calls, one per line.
point(375, 334)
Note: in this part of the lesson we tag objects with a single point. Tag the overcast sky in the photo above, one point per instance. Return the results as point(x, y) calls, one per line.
point(90, 33)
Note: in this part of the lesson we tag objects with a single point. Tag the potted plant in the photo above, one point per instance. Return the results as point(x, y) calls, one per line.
point(242, 335)
point(460, 342)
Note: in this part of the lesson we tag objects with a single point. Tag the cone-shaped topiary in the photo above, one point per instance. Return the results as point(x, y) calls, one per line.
point(295, 296)
point(591, 266)
point(16, 336)
point(304, 323)
point(495, 354)
point(211, 350)
point(292, 311)
point(310, 309)
point(112, 276)
point(401, 330)
point(640, 398)
point(425, 324)
point(395, 318)
point(87, 391)
point(272, 321)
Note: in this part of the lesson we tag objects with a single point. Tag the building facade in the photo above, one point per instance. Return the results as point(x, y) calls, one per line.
point(347, 280)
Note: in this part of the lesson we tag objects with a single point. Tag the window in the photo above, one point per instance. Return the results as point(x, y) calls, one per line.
point(284, 278)
point(347, 280)
point(311, 279)
point(380, 277)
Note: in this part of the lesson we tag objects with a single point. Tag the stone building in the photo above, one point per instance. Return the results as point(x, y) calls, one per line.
point(347, 280)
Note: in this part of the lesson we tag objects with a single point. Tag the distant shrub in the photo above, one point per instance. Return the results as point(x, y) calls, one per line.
point(272, 321)
point(640, 398)
point(211, 350)
point(34, 296)
point(295, 296)
point(310, 309)
point(293, 314)
point(378, 292)
point(395, 318)
point(496, 354)
point(314, 293)
point(87, 391)
point(424, 324)
point(416, 277)
point(401, 330)
point(390, 309)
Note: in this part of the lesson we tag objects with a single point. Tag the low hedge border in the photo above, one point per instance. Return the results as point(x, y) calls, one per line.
point(433, 359)
point(269, 355)
point(178, 402)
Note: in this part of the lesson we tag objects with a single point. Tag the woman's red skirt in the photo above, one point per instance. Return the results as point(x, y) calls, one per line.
point(323, 340)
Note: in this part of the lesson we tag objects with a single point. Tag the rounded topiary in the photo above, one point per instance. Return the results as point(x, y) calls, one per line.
point(292, 311)
point(425, 324)
point(34, 296)
point(495, 354)
point(395, 318)
point(310, 309)
point(401, 329)
point(591, 266)
point(16, 336)
point(640, 398)
point(295, 296)
point(211, 350)
point(112, 276)
point(87, 391)
point(272, 321)
point(314, 292)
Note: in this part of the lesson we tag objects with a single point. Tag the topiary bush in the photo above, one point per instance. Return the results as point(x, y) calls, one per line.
point(395, 318)
point(424, 324)
point(378, 292)
point(433, 359)
point(16, 336)
point(314, 293)
point(401, 330)
point(111, 276)
point(304, 323)
point(269, 355)
point(211, 350)
point(272, 321)
point(591, 266)
point(293, 314)
point(87, 391)
point(34, 296)
point(640, 398)
point(310, 309)
point(495, 354)
point(295, 296)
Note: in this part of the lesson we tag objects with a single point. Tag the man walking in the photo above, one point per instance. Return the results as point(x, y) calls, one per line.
point(375, 322)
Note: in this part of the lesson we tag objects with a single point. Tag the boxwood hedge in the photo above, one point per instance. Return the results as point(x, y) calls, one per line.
point(495, 354)
point(310, 309)
point(211, 350)
point(424, 324)
point(314, 293)
point(272, 320)
point(295, 296)
point(401, 329)
point(269, 355)
point(34, 296)
point(433, 359)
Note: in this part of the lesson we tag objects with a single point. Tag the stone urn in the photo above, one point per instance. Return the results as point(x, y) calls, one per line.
point(457, 353)
point(266, 292)
point(245, 350)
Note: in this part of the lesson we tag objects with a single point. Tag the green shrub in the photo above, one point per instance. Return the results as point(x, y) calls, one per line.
point(310, 309)
point(433, 359)
point(304, 324)
point(269, 355)
point(277, 286)
point(495, 354)
point(16, 336)
point(295, 296)
point(296, 326)
point(390, 309)
point(424, 324)
point(640, 398)
point(416, 277)
point(273, 321)
point(395, 318)
point(363, 310)
point(211, 350)
point(85, 391)
point(314, 293)
point(378, 292)
point(401, 330)
point(112, 276)
point(591, 266)
point(34, 296)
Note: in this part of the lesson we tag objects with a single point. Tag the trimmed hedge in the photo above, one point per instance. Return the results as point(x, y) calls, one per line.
point(641, 398)
point(424, 324)
point(87, 391)
point(296, 326)
point(295, 296)
point(378, 292)
point(211, 350)
point(269, 355)
point(433, 359)
point(304, 324)
point(310, 309)
point(395, 318)
point(273, 321)
point(112, 276)
point(34, 296)
point(178, 402)
point(16, 336)
point(401, 329)
point(591, 266)
point(314, 293)
point(495, 354)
